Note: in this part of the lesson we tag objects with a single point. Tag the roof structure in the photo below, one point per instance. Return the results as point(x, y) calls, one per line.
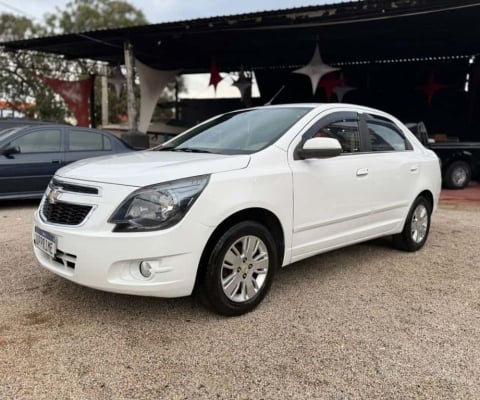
point(409, 57)
point(348, 33)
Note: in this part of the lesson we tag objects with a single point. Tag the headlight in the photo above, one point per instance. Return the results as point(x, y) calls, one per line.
point(158, 206)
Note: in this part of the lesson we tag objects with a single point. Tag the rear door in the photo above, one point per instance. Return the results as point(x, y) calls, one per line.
point(27, 173)
point(394, 173)
point(86, 143)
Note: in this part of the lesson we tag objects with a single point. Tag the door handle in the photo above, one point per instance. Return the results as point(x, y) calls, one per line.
point(56, 161)
point(414, 168)
point(362, 172)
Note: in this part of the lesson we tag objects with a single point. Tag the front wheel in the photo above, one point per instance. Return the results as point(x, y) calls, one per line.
point(240, 269)
point(417, 226)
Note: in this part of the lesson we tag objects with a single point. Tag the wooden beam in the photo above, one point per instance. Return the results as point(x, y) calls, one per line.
point(131, 109)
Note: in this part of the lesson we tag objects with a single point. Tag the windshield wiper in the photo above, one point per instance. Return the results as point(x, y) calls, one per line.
point(166, 148)
point(190, 150)
point(184, 149)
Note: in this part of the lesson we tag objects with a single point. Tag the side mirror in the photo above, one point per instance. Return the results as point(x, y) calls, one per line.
point(8, 151)
point(320, 147)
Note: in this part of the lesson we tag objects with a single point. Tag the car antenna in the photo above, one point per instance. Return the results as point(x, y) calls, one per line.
point(269, 103)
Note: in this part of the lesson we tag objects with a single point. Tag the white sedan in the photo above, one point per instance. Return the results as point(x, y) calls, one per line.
point(220, 207)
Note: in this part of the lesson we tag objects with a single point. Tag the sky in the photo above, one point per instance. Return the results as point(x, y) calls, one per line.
point(175, 10)
point(167, 10)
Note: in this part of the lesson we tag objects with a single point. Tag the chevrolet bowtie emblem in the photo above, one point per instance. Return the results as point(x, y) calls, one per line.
point(52, 196)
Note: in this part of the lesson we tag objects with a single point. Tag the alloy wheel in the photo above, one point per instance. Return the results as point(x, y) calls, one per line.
point(244, 268)
point(419, 226)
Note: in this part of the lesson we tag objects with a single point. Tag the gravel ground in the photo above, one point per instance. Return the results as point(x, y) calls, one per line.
point(365, 322)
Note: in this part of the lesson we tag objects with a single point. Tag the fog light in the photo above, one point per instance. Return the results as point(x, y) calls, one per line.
point(145, 269)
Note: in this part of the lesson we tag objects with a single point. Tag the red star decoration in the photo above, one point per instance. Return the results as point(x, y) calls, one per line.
point(215, 76)
point(431, 87)
point(329, 83)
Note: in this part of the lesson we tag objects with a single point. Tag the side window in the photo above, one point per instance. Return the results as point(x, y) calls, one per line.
point(107, 144)
point(41, 141)
point(82, 140)
point(383, 137)
point(345, 131)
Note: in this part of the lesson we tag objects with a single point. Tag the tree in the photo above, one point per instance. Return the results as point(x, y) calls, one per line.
point(89, 15)
point(18, 80)
point(19, 69)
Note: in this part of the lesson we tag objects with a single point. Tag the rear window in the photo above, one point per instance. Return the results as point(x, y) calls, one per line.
point(82, 140)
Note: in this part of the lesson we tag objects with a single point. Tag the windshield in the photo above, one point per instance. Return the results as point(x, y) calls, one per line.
point(238, 132)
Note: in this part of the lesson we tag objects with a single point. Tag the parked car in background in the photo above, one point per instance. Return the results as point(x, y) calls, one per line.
point(460, 160)
point(222, 205)
point(30, 155)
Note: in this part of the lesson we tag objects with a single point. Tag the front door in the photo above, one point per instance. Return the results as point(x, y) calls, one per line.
point(332, 196)
point(28, 172)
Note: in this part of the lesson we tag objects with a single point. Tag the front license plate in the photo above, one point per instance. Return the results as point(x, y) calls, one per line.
point(45, 241)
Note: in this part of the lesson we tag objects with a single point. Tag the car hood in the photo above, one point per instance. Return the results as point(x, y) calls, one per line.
point(150, 167)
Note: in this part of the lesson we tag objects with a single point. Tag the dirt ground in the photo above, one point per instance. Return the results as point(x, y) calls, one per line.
point(365, 322)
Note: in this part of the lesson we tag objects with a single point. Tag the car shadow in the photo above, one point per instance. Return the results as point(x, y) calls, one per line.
point(87, 304)
point(18, 203)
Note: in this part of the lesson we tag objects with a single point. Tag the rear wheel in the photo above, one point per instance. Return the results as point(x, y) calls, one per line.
point(457, 175)
point(417, 226)
point(240, 269)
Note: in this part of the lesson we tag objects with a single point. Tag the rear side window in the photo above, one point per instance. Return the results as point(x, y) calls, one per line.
point(81, 140)
point(43, 141)
point(383, 137)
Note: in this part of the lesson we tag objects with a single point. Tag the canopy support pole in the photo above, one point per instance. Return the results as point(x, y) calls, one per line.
point(131, 111)
point(105, 95)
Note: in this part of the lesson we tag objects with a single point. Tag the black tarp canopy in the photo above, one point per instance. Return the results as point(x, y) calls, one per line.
point(369, 30)
point(386, 49)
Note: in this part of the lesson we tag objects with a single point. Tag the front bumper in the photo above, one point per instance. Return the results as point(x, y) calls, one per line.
point(94, 256)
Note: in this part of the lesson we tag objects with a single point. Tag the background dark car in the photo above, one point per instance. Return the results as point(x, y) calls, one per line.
point(30, 155)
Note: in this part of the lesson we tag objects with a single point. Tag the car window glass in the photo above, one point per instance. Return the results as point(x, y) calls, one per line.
point(345, 131)
point(239, 132)
point(82, 140)
point(107, 145)
point(385, 138)
point(48, 140)
point(9, 132)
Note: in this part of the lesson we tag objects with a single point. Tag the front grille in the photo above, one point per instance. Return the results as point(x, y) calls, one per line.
point(69, 187)
point(65, 213)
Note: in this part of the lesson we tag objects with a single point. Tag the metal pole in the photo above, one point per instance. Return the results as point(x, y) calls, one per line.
point(132, 114)
point(177, 108)
point(105, 95)
point(93, 121)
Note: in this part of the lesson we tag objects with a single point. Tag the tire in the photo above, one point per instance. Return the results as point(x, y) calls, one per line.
point(417, 226)
point(240, 269)
point(457, 175)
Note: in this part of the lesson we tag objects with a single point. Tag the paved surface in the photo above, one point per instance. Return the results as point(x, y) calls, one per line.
point(364, 322)
point(469, 195)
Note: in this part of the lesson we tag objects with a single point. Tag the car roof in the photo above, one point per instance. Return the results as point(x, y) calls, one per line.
point(32, 128)
point(326, 106)
point(43, 126)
